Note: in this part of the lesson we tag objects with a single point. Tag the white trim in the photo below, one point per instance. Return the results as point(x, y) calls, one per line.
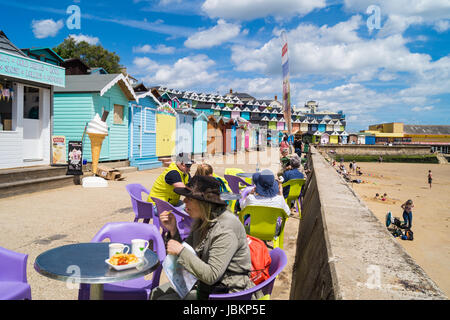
point(114, 81)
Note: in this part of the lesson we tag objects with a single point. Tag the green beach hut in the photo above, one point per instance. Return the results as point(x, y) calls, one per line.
point(83, 97)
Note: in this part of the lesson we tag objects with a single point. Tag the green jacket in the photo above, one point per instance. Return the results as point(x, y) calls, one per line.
point(222, 259)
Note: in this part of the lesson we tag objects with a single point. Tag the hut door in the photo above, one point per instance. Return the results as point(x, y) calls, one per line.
point(211, 139)
point(137, 132)
point(148, 133)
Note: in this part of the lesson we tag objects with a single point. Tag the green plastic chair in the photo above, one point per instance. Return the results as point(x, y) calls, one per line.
point(295, 190)
point(263, 223)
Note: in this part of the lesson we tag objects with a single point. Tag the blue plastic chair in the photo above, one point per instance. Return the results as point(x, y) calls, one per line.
point(279, 261)
point(142, 209)
point(13, 276)
point(135, 289)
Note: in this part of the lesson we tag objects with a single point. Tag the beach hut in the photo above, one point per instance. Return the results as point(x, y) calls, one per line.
point(316, 137)
point(295, 124)
point(322, 126)
point(337, 125)
point(185, 130)
point(370, 139)
point(83, 97)
point(281, 124)
point(313, 125)
point(344, 137)
point(324, 138)
point(166, 126)
point(329, 126)
point(215, 136)
point(334, 138)
point(227, 125)
point(200, 133)
point(352, 138)
point(304, 125)
point(361, 139)
point(142, 131)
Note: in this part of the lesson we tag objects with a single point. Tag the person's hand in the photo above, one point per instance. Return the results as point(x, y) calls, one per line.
point(168, 221)
point(174, 247)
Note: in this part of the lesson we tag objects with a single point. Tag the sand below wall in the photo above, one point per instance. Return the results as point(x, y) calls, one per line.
point(431, 214)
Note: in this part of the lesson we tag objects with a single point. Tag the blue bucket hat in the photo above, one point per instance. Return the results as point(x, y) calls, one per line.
point(265, 182)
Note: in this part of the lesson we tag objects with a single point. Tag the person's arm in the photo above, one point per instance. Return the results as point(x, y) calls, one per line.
point(222, 250)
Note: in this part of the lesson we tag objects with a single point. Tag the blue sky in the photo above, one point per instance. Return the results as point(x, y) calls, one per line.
point(397, 72)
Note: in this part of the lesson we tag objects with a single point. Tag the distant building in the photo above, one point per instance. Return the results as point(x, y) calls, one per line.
point(436, 136)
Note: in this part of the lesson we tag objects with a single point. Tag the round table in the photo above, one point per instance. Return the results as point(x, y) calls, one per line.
point(85, 263)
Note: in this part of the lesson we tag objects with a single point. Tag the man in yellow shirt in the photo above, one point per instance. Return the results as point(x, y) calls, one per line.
point(176, 175)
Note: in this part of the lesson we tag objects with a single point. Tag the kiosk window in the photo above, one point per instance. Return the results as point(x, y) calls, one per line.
point(6, 105)
point(30, 103)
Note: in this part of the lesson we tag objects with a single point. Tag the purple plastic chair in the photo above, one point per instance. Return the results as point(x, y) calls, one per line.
point(183, 219)
point(279, 261)
point(13, 276)
point(142, 209)
point(234, 182)
point(135, 289)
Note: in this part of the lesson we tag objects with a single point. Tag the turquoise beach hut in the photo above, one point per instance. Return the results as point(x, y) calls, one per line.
point(142, 131)
point(84, 96)
point(200, 134)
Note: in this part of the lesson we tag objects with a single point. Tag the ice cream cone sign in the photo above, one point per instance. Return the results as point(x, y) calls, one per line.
point(97, 130)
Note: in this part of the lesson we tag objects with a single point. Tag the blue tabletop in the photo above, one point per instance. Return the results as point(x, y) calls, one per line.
point(89, 258)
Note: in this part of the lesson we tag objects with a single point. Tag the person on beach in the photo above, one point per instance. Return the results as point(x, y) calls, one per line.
point(284, 160)
point(176, 175)
point(221, 261)
point(205, 169)
point(430, 178)
point(407, 213)
point(354, 166)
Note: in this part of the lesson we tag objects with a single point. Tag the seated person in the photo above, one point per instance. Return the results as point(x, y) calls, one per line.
point(284, 161)
point(222, 261)
point(293, 173)
point(205, 169)
point(267, 192)
point(176, 175)
point(358, 171)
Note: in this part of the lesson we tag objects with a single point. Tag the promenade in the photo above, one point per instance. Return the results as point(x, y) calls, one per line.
point(34, 223)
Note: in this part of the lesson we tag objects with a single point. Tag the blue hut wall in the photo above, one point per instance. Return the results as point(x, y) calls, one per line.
point(184, 133)
point(245, 115)
point(233, 138)
point(322, 127)
point(200, 135)
point(370, 139)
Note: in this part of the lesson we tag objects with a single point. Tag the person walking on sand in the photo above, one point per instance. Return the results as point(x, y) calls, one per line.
point(430, 178)
point(407, 213)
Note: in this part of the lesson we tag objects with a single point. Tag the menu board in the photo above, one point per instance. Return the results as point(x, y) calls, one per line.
point(59, 150)
point(75, 163)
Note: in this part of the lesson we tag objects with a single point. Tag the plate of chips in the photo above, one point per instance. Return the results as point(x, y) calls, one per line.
point(123, 261)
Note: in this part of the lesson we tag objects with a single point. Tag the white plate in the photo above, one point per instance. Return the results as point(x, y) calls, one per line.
point(125, 266)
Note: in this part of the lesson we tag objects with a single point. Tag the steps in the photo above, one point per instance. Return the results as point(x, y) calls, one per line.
point(146, 163)
point(27, 180)
point(441, 158)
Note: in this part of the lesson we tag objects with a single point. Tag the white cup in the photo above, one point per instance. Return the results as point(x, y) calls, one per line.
point(138, 247)
point(117, 248)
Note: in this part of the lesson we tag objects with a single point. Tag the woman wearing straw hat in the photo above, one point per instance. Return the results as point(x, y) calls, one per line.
point(221, 262)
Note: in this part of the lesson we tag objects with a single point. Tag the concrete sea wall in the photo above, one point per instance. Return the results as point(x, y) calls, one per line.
point(354, 149)
point(345, 253)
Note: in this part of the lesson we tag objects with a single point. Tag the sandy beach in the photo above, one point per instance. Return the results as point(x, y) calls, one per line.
point(431, 214)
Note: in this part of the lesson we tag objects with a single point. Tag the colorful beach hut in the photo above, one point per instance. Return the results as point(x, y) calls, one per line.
point(215, 136)
point(334, 137)
point(316, 137)
point(166, 126)
point(200, 133)
point(324, 138)
point(185, 131)
point(344, 137)
point(83, 97)
point(142, 131)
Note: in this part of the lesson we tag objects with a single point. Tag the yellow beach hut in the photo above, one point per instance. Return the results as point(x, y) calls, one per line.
point(166, 126)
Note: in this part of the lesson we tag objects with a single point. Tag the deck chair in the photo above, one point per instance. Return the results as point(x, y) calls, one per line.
point(295, 193)
point(265, 223)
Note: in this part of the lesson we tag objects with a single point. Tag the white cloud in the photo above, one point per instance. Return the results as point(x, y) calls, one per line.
point(420, 109)
point(442, 25)
point(159, 49)
point(185, 73)
point(46, 28)
point(403, 13)
point(215, 36)
point(334, 51)
point(81, 37)
point(254, 9)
